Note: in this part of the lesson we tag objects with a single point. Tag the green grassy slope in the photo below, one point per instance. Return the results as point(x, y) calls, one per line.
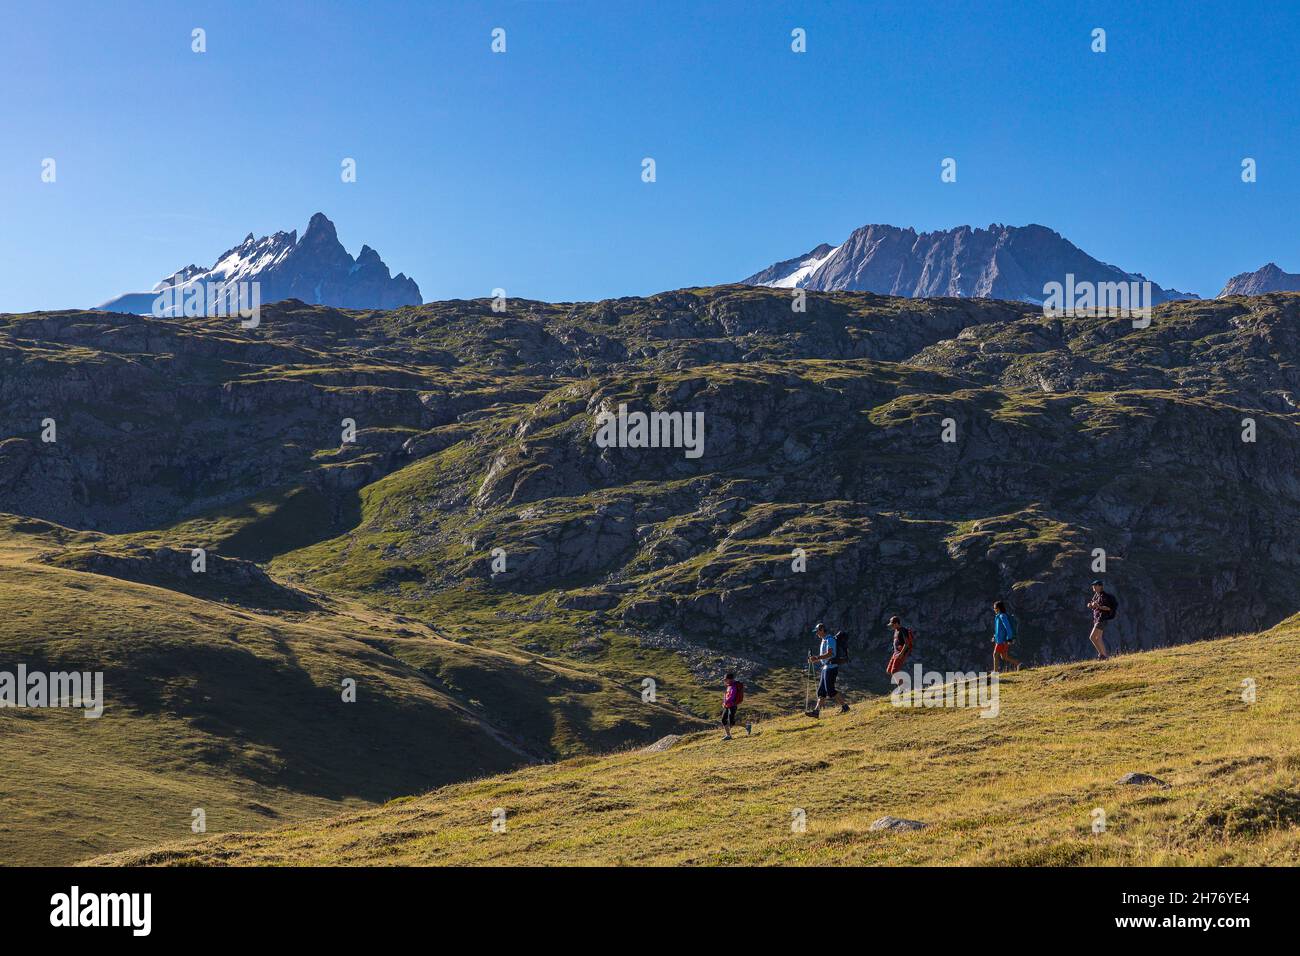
point(239, 711)
point(1021, 788)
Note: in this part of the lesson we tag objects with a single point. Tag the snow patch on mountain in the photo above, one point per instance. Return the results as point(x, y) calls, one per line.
point(803, 273)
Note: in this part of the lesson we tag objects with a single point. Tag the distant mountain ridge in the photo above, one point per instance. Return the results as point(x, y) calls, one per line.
point(1267, 278)
point(1000, 262)
point(315, 269)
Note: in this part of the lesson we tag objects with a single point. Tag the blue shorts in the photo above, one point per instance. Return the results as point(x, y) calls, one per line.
point(826, 686)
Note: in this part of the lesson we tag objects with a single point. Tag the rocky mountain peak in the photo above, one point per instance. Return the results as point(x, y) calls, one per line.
point(315, 269)
point(1267, 278)
point(320, 229)
point(998, 262)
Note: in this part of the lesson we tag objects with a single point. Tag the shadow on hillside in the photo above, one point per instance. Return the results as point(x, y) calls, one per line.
point(551, 714)
point(270, 722)
point(304, 517)
point(224, 580)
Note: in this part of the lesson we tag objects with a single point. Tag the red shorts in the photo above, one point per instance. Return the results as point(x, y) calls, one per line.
point(896, 662)
point(1002, 649)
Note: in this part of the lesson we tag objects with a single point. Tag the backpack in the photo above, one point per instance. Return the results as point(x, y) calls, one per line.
point(1014, 625)
point(1108, 606)
point(841, 649)
point(909, 640)
point(740, 693)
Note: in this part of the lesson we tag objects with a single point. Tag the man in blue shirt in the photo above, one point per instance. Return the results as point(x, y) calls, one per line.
point(827, 654)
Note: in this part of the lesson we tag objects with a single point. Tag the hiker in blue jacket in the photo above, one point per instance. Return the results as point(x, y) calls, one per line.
point(1004, 632)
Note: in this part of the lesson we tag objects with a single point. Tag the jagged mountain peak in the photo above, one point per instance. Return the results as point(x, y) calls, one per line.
point(320, 229)
point(320, 221)
point(315, 268)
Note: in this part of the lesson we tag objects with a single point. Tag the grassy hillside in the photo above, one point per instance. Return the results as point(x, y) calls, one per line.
point(1020, 788)
point(239, 710)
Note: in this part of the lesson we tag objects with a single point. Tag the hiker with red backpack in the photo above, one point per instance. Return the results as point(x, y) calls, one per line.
point(833, 652)
point(1103, 607)
point(904, 641)
point(1004, 632)
point(732, 697)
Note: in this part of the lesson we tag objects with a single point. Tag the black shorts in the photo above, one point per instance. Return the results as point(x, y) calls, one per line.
point(729, 716)
point(826, 687)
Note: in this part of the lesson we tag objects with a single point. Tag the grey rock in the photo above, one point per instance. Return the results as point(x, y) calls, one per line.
point(1138, 779)
point(897, 823)
point(662, 744)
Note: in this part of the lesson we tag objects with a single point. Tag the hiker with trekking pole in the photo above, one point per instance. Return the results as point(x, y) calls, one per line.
point(833, 652)
point(1103, 606)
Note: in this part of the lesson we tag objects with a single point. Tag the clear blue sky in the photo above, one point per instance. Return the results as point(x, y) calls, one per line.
point(523, 170)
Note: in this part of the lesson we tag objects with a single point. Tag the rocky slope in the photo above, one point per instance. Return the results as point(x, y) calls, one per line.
point(824, 432)
point(1000, 262)
point(1267, 278)
point(315, 268)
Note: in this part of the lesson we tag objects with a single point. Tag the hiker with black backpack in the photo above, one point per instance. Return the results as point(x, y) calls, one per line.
point(1004, 632)
point(833, 652)
point(1103, 606)
point(904, 641)
point(732, 697)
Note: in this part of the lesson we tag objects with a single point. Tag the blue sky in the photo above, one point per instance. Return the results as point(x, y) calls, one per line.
point(523, 170)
